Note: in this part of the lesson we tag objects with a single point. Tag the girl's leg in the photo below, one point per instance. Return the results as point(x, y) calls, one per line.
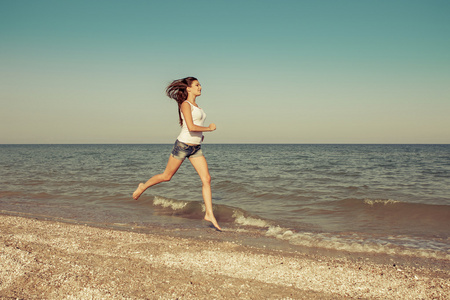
point(172, 167)
point(201, 167)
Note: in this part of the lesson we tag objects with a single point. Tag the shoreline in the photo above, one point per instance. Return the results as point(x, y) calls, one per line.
point(51, 260)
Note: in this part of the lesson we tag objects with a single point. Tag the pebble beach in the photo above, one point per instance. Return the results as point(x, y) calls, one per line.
point(44, 259)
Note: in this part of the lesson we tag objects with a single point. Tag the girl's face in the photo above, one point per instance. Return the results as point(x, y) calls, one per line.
point(195, 88)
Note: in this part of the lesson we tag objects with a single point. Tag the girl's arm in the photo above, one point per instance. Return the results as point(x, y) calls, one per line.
point(187, 113)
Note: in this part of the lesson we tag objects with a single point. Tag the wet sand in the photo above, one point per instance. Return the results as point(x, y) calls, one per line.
point(51, 260)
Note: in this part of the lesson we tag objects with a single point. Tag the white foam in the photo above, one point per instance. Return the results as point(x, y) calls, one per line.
point(385, 202)
point(239, 218)
point(175, 205)
point(322, 240)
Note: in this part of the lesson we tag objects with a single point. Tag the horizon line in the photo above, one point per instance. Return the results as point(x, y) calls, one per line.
point(236, 143)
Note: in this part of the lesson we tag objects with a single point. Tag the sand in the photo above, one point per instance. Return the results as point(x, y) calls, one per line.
point(51, 260)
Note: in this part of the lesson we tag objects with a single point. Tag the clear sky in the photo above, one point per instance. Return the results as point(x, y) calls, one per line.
point(272, 71)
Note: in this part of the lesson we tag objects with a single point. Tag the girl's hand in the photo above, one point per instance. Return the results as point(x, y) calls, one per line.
point(212, 126)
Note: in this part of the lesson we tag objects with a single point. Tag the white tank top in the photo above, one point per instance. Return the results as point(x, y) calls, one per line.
point(192, 137)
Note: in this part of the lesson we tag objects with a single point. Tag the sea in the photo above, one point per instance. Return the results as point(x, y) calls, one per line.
point(371, 199)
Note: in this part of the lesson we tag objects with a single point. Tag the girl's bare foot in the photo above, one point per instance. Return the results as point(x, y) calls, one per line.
point(138, 192)
point(212, 219)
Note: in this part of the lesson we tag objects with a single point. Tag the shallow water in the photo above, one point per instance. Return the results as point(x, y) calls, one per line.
point(357, 198)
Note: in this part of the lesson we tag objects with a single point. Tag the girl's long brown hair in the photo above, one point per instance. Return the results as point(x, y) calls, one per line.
point(177, 90)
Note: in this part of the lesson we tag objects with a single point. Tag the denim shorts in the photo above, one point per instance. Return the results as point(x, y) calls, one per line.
point(181, 150)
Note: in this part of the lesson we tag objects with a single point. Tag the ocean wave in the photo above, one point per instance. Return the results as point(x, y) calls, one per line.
point(372, 202)
point(355, 242)
point(404, 208)
point(169, 203)
point(391, 215)
point(195, 209)
point(241, 219)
